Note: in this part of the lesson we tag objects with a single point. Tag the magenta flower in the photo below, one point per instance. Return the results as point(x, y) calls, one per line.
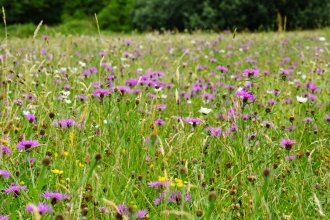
point(31, 118)
point(5, 150)
point(55, 195)
point(245, 95)
point(158, 184)
point(222, 69)
point(290, 157)
point(18, 101)
point(327, 117)
point(214, 131)
point(13, 188)
point(5, 173)
point(101, 92)
point(27, 144)
point(193, 121)
point(103, 210)
point(251, 73)
point(141, 214)
point(287, 143)
point(42, 208)
point(102, 53)
point(4, 217)
point(123, 210)
point(159, 122)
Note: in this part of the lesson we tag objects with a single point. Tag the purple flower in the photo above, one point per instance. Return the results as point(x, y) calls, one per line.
point(161, 107)
point(308, 120)
point(128, 42)
point(123, 210)
point(102, 53)
point(81, 98)
point(5, 173)
point(103, 210)
point(4, 217)
point(287, 143)
point(42, 208)
point(18, 101)
point(267, 124)
point(222, 69)
point(158, 184)
point(159, 122)
point(31, 118)
point(43, 51)
point(327, 117)
point(214, 131)
point(5, 150)
point(284, 72)
point(101, 92)
point(54, 195)
point(141, 214)
point(251, 73)
point(188, 197)
point(247, 96)
point(27, 144)
point(193, 121)
point(290, 157)
point(13, 188)
point(174, 197)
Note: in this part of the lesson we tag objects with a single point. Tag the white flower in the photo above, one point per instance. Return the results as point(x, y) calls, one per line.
point(205, 110)
point(82, 63)
point(322, 38)
point(26, 112)
point(68, 101)
point(301, 99)
point(163, 96)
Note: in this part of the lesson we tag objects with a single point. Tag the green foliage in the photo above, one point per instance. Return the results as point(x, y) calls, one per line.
point(34, 11)
point(115, 16)
point(124, 15)
point(229, 14)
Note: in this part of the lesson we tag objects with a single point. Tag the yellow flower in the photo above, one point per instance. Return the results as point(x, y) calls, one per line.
point(57, 172)
point(179, 182)
point(162, 179)
point(81, 165)
point(66, 153)
point(22, 183)
point(56, 155)
point(4, 142)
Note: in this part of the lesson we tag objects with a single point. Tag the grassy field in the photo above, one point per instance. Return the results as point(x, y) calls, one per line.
point(171, 126)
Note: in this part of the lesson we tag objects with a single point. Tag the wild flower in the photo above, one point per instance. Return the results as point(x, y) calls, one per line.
point(31, 118)
point(5, 173)
point(245, 95)
point(101, 92)
point(42, 208)
point(13, 188)
point(159, 122)
point(4, 217)
point(251, 73)
point(205, 111)
point(141, 214)
point(287, 143)
point(27, 144)
point(54, 195)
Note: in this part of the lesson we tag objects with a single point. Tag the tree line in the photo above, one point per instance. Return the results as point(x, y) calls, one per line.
point(218, 15)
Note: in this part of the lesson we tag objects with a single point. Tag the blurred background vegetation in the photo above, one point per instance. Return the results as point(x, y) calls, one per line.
point(22, 16)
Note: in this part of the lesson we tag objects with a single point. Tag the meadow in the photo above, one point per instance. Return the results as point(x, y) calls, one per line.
point(165, 126)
